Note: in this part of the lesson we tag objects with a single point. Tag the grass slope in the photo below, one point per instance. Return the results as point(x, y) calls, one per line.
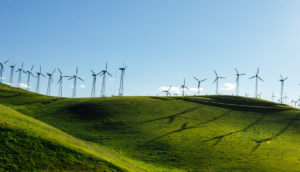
point(29, 145)
point(206, 133)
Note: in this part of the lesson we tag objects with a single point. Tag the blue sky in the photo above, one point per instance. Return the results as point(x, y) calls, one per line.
point(161, 42)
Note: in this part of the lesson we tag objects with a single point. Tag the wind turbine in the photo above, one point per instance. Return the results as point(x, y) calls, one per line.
point(74, 85)
point(60, 81)
point(167, 91)
point(104, 80)
point(199, 82)
point(285, 98)
point(182, 87)
point(94, 83)
point(273, 97)
point(257, 77)
point(246, 94)
point(122, 80)
point(238, 81)
point(282, 83)
point(28, 80)
point(259, 95)
point(38, 80)
point(11, 79)
point(217, 79)
point(20, 70)
point(49, 83)
point(2, 69)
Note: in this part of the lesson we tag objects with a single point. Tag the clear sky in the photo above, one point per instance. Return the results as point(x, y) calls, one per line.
point(161, 42)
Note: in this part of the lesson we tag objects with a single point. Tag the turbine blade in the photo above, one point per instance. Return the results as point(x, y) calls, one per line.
point(59, 80)
point(216, 73)
point(43, 75)
point(222, 77)
point(6, 61)
point(52, 79)
point(237, 78)
point(236, 71)
point(32, 68)
point(260, 79)
point(106, 66)
point(203, 80)
point(285, 78)
point(66, 76)
point(187, 88)
point(184, 81)
point(76, 70)
point(32, 75)
point(169, 87)
point(243, 74)
point(281, 77)
point(257, 71)
point(71, 78)
point(40, 68)
point(59, 71)
point(53, 71)
point(196, 78)
point(252, 77)
point(93, 71)
point(109, 74)
point(99, 73)
point(215, 80)
point(80, 79)
point(102, 74)
point(125, 67)
point(22, 64)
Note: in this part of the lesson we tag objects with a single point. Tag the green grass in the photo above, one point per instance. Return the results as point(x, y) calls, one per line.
point(206, 133)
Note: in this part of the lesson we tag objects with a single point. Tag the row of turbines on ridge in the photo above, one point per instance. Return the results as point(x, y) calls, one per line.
point(60, 81)
point(237, 86)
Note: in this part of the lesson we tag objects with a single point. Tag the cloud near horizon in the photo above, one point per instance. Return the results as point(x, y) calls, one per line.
point(176, 89)
point(228, 86)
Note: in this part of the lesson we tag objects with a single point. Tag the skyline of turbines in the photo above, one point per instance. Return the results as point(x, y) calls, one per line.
point(121, 93)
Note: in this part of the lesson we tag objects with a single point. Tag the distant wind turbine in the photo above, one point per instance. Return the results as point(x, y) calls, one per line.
point(104, 81)
point(28, 80)
point(167, 91)
point(2, 69)
point(259, 95)
point(75, 80)
point(182, 87)
point(38, 80)
point(217, 84)
point(199, 82)
point(11, 79)
point(247, 94)
point(94, 83)
point(273, 97)
point(20, 70)
point(281, 90)
point(60, 81)
point(257, 77)
point(49, 83)
point(285, 98)
point(238, 81)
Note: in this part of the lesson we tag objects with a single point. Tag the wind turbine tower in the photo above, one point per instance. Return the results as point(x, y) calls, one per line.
point(11, 79)
point(28, 80)
point(38, 80)
point(60, 81)
point(94, 83)
point(199, 82)
point(49, 83)
point(247, 94)
point(281, 91)
point(182, 87)
point(74, 85)
point(167, 91)
point(122, 80)
point(217, 84)
point(257, 77)
point(238, 81)
point(285, 98)
point(2, 69)
point(103, 82)
point(20, 70)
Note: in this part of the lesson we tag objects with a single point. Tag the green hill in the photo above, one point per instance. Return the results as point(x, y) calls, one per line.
point(206, 133)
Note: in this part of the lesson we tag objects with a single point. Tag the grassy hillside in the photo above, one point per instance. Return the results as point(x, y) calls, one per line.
point(206, 133)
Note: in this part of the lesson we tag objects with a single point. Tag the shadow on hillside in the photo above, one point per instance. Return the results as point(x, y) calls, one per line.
point(172, 117)
point(259, 142)
point(219, 138)
point(184, 127)
point(255, 107)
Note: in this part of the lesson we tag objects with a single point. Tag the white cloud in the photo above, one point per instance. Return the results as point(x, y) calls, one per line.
point(228, 86)
point(112, 79)
point(72, 86)
point(24, 85)
point(277, 95)
point(82, 86)
point(2, 78)
point(176, 89)
point(6, 83)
